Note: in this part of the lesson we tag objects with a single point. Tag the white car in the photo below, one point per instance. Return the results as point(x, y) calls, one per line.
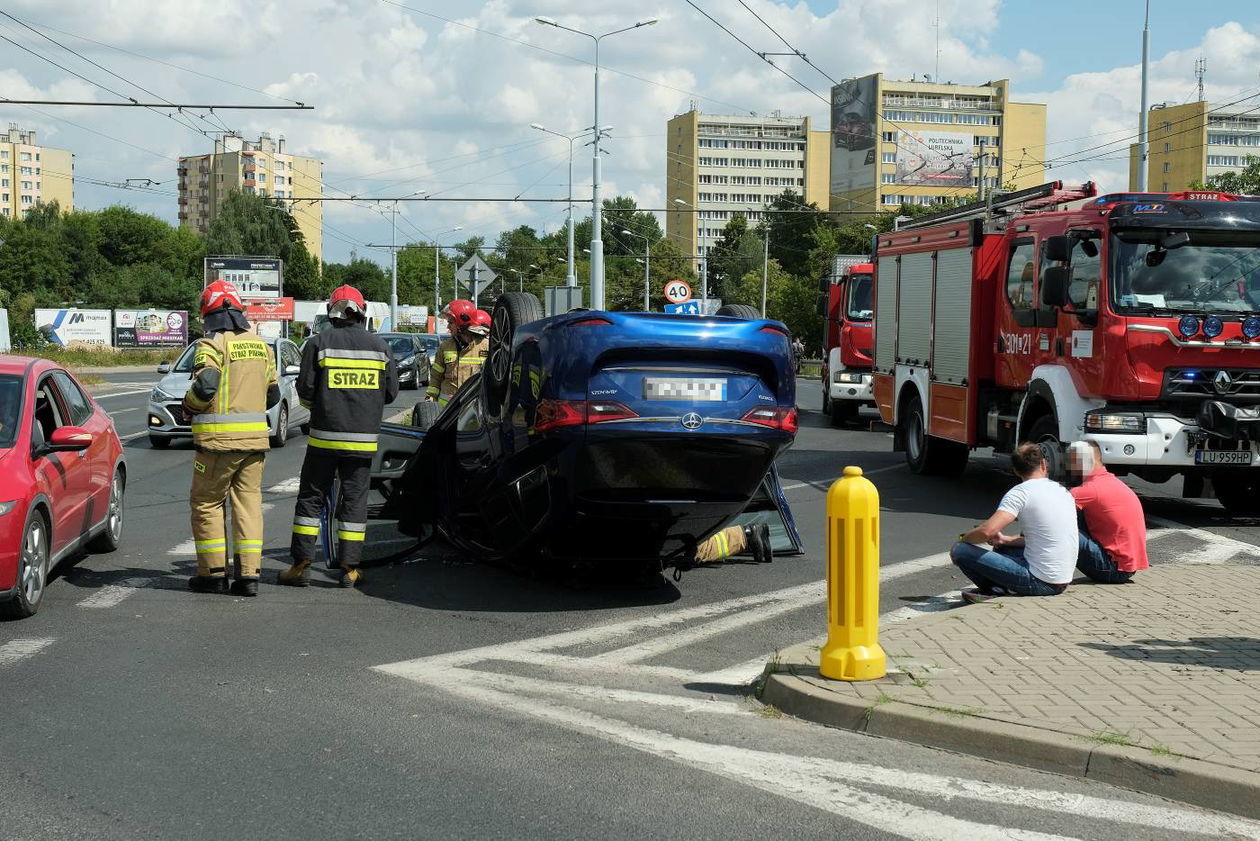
point(169, 393)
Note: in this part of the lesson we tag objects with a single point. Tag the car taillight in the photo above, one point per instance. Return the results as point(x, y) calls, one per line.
point(772, 329)
point(775, 417)
point(591, 322)
point(599, 411)
point(553, 414)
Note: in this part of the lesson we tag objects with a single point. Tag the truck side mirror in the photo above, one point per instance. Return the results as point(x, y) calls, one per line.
point(1054, 286)
point(1058, 248)
point(824, 283)
point(822, 305)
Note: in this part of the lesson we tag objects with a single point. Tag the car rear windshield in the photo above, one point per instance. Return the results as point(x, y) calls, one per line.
point(10, 408)
point(401, 345)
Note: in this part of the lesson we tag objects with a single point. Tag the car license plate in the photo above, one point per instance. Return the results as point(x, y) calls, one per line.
point(1222, 457)
point(677, 388)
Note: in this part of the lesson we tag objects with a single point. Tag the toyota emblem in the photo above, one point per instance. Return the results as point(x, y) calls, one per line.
point(691, 420)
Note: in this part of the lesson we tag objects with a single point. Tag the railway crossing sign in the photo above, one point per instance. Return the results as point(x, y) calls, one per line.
point(677, 291)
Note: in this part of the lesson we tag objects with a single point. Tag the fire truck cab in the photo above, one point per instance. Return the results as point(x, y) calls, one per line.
point(1131, 320)
point(845, 304)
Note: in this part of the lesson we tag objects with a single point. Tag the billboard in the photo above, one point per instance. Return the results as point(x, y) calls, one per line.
point(253, 277)
point(150, 328)
point(853, 148)
point(934, 158)
point(269, 309)
point(64, 327)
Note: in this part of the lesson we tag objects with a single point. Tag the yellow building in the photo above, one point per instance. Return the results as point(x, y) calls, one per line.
point(911, 142)
point(262, 168)
point(31, 174)
point(719, 165)
point(1193, 142)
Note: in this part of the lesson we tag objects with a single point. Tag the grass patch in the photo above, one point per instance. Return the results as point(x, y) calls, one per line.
point(955, 712)
point(880, 700)
point(89, 379)
point(1107, 737)
point(1161, 749)
point(769, 711)
point(103, 357)
point(920, 682)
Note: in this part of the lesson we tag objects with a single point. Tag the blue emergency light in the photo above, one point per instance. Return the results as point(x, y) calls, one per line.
point(1213, 326)
point(1188, 325)
point(1251, 326)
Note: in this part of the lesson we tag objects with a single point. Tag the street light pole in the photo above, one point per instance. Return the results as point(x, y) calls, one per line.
point(765, 273)
point(437, 252)
point(1144, 146)
point(571, 278)
point(647, 267)
point(393, 261)
point(597, 242)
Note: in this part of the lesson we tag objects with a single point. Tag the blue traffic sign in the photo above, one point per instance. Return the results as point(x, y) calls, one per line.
point(686, 308)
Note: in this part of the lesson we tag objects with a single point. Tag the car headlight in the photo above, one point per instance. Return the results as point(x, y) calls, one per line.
point(1134, 424)
point(160, 396)
point(406, 362)
point(848, 377)
point(6, 507)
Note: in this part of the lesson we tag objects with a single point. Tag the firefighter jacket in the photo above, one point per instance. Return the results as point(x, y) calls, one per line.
point(456, 362)
point(234, 379)
point(348, 376)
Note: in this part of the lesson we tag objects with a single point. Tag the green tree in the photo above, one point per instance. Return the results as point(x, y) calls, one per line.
point(790, 225)
point(128, 237)
point(249, 224)
point(361, 273)
point(1244, 183)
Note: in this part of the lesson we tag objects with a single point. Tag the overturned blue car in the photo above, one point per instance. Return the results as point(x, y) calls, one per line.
point(601, 438)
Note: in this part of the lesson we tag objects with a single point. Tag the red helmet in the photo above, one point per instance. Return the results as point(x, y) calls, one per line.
point(460, 313)
point(344, 300)
point(481, 323)
point(218, 295)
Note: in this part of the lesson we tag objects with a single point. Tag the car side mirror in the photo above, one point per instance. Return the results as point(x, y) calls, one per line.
point(68, 439)
point(164, 367)
point(292, 370)
point(1054, 286)
point(1058, 248)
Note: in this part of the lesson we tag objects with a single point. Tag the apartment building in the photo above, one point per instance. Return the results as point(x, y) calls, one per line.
point(31, 174)
point(1195, 141)
point(260, 167)
point(923, 142)
point(721, 165)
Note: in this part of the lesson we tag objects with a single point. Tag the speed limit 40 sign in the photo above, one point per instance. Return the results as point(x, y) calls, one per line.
point(677, 291)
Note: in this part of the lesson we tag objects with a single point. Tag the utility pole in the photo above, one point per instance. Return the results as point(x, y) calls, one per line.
point(393, 260)
point(1144, 146)
point(980, 193)
point(704, 281)
point(765, 271)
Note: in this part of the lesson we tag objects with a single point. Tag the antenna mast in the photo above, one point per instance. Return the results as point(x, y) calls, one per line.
point(1200, 67)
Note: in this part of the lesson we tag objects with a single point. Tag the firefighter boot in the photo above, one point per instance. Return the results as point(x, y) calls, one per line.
point(298, 575)
point(244, 587)
point(351, 577)
point(208, 584)
point(758, 536)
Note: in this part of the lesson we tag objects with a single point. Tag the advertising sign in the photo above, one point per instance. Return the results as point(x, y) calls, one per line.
point(269, 309)
point(853, 158)
point(254, 277)
point(150, 328)
point(62, 327)
point(935, 158)
point(412, 315)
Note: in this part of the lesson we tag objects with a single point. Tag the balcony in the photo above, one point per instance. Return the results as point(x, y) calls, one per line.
point(183, 216)
point(250, 182)
point(182, 171)
point(250, 167)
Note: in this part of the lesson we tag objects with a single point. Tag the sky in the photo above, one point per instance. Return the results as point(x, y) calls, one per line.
point(439, 95)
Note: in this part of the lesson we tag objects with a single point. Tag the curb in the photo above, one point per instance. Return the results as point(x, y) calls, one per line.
point(1177, 778)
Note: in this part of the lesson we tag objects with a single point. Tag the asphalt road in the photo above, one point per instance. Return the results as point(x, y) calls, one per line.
point(446, 699)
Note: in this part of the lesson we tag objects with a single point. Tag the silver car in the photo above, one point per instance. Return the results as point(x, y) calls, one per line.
point(169, 393)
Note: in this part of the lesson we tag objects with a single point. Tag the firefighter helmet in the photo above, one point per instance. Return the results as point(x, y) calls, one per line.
point(480, 323)
point(219, 295)
point(345, 300)
point(460, 313)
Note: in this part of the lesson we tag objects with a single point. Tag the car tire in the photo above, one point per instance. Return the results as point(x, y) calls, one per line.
point(1237, 493)
point(425, 414)
point(739, 311)
point(1045, 432)
point(844, 412)
point(511, 311)
point(111, 538)
point(282, 428)
point(159, 443)
point(927, 455)
point(32, 576)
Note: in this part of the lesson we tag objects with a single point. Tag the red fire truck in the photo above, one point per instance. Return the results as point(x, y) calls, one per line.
point(845, 303)
point(1131, 320)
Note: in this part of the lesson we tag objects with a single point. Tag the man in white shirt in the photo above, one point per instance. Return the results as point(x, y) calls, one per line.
point(1042, 560)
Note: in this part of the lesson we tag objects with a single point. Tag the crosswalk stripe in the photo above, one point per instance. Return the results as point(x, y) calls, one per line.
point(19, 649)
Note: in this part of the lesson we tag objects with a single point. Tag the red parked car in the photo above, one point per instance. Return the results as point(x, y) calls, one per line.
point(62, 476)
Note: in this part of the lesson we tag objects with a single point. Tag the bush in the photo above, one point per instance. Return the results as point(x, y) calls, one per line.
point(102, 357)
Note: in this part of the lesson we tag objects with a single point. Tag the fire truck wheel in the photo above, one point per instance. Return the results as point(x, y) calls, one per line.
point(1237, 493)
point(843, 412)
point(1045, 431)
point(925, 454)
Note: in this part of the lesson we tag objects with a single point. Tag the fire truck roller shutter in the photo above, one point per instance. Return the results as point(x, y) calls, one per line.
point(886, 315)
point(951, 347)
point(914, 309)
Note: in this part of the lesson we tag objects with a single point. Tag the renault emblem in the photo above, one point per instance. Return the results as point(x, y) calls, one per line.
point(1222, 381)
point(691, 420)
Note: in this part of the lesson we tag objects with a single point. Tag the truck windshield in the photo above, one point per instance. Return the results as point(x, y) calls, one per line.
point(1215, 272)
point(858, 307)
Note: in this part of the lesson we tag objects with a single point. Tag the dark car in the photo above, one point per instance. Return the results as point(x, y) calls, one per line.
point(601, 437)
point(411, 356)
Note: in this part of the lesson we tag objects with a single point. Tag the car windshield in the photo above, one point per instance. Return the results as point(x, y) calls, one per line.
point(430, 343)
point(10, 407)
point(185, 362)
point(859, 305)
point(1215, 272)
point(400, 345)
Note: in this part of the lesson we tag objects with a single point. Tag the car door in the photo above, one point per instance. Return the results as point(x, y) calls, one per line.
point(84, 414)
point(66, 475)
point(287, 357)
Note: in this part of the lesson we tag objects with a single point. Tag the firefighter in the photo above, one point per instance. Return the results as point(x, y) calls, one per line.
point(347, 378)
point(463, 353)
point(735, 539)
point(234, 384)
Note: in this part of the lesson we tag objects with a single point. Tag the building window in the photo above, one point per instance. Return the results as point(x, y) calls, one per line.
point(1167, 125)
point(27, 200)
point(4, 153)
point(26, 185)
point(262, 177)
point(4, 197)
point(892, 198)
point(26, 170)
point(1222, 160)
point(26, 156)
point(889, 157)
point(888, 178)
point(1164, 189)
point(890, 137)
point(6, 211)
point(1167, 148)
point(1167, 167)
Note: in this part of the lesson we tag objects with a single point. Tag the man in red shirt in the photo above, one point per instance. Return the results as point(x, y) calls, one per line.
point(1113, 539)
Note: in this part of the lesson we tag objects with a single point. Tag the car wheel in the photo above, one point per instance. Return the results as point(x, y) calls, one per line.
point(32, 574)
point(1237, 493)
point(158, 443)
point(511, 311)
point(925, 454)
point(111, 538)
point(739, 311)
point(425, 414)
point(844, 412)
point(1045, 433)
point(282, 428)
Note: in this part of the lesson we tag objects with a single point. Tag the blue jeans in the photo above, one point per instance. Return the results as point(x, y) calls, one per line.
point(1004, 567)
point(1094, 561)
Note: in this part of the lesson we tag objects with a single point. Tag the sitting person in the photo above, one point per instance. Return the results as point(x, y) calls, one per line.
point(1038, 563)
point(1113, 540)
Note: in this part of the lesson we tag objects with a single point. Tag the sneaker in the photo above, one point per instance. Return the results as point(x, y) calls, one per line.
point(351, 577)
point(244, 587)
point(208, 584)
point(974, 595)
point(298, 575)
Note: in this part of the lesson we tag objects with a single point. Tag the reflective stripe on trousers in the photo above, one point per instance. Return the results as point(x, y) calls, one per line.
point(346, 442)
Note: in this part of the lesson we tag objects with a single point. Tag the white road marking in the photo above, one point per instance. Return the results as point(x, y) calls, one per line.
point(133, 435)
point(19, 649)
point(1219, 547)
point(561, 689)
point(123, 411)
point(826, 483)
point(112, 594)
point(124, 393)
point(288, 486)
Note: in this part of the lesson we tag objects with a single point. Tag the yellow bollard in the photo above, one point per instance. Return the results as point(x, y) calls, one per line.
point(852, 651)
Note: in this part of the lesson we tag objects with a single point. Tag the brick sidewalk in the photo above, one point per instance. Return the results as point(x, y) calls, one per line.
point(1168, 666)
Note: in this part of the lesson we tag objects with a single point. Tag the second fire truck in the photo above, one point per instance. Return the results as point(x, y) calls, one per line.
point(1132, 320)
point(845, 303)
